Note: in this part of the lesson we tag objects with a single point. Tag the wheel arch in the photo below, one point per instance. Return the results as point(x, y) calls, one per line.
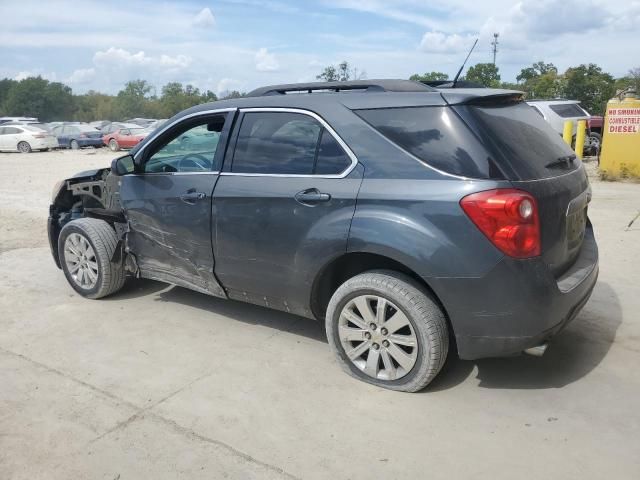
point(350, 264)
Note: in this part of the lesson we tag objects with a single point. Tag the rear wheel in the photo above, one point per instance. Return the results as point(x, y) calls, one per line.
point(113, 145)
point(24, 147)
point(85, 249)
point(385, 329)
point(74, 145)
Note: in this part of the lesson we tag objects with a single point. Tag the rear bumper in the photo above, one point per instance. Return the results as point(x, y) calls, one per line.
point(519, 304)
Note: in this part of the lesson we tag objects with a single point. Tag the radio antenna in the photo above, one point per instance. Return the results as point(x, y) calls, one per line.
point(455, 80)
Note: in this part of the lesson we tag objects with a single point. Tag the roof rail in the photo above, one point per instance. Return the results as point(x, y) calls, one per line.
point(366, 85)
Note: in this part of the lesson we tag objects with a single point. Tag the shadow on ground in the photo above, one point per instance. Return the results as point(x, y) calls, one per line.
point(571, 355)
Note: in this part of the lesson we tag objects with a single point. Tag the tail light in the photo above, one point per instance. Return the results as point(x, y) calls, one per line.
point(39, 135)
point(509, 219)
point(82, 135)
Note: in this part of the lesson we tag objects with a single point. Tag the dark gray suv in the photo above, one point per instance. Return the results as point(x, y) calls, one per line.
point(408, 219)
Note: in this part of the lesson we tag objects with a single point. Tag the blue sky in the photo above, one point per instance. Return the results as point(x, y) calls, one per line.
point(241, 44)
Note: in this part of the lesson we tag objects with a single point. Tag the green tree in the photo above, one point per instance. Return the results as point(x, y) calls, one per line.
point(536, 70)
point(630, 80)
point(133, 98)
point(5, 86)
point(590, 85)
point(429, 76)
point(37, 97)
point(486, 74)
point(341, 73)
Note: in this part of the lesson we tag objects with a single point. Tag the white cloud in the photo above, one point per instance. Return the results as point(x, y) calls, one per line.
point(204, 18)
point(120, 58)
point(51, 76)
point(266, 62)
point(226, 85)
point(439, 42)
point(82, 76)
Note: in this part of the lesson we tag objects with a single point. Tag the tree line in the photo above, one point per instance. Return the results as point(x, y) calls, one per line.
point(48, 101)
point(587, 83)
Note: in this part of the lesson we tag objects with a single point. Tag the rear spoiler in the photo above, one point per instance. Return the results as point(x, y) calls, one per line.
point(481, 96)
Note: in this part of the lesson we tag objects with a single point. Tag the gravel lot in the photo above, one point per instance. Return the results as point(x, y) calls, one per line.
point(161, 382)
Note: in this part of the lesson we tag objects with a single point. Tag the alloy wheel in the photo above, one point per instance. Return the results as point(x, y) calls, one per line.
point(81, 261)
point(378, 337)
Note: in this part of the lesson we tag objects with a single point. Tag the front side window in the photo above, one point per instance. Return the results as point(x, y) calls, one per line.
point(286, 143)
point(192, 148)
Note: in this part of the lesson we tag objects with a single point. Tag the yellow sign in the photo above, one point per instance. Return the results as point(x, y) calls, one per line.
point(620, 155)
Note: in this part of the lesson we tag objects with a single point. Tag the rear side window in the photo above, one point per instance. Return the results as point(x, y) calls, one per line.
point(287, 144)
point(436, 136)
point(568, 110)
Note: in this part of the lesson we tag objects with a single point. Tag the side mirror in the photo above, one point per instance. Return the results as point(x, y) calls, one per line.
point(122, 166)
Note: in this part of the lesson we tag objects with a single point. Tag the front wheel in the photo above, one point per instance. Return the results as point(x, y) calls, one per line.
point(85, 248)
point(113, 145)
point(74, 145)
point(385, 329)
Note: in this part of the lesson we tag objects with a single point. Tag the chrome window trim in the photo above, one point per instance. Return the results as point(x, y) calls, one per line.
point(179, 120)
point(146, 174)
point(319, 119)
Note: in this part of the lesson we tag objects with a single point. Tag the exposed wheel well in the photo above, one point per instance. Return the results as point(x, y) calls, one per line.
point(349, 265)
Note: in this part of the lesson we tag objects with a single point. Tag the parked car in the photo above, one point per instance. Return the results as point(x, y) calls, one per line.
point(113, 126)
point(558, 111)
point(77, 136)
point(25, 138)
point(100, 123)
point(125, 138)
point(142, 122)
point(4, 120)
point(35, 124)
point(395, 213)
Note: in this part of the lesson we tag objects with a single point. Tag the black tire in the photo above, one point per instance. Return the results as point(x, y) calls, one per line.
point(427, 319)
point(596, 138)
point(74, 145)
point(103, 240)
point(113, 145)
point(24, 147)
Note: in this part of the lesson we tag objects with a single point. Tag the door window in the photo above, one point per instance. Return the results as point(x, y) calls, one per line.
point(287, 144)
point(191, 148)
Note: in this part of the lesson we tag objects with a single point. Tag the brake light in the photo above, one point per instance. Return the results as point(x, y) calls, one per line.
point(82, 135)
point(508, 218)
point(40, 135)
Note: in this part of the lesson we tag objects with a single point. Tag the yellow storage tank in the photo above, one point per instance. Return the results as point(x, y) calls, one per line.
point(620, 155)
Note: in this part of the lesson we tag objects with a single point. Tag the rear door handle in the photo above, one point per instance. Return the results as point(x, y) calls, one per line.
point(191, 197)
point(312, 196)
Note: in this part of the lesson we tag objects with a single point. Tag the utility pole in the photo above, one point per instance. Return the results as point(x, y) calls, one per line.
point(494, 46)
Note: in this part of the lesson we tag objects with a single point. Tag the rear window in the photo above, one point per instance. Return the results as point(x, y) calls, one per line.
point(522, 142)
point(568, 110)
point(435, 135)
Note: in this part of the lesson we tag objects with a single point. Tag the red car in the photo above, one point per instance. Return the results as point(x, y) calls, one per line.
point(124, 138)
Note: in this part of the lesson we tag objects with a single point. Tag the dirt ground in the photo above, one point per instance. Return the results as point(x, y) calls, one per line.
point(161, 382)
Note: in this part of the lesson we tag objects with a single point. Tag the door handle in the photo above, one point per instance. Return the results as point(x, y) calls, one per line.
point(312, 196)
point(191, 197)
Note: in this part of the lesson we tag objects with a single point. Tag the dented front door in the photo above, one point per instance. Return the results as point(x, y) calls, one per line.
point(167, 203)
point(170, 227)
